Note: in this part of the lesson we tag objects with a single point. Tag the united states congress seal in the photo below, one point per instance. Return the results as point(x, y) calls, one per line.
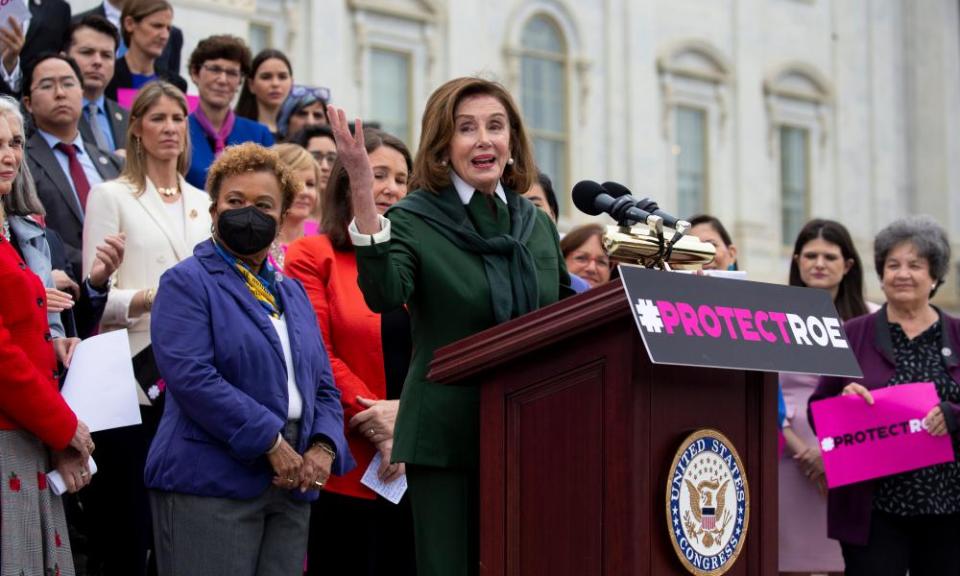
point(708, 503)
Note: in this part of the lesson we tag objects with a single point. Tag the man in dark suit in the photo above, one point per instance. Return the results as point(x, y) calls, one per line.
point(92, 42)
point(64, 166)
point(42, 32)
point(168, 60)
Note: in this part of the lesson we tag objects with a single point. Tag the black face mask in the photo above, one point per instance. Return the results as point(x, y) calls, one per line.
point(246, 231)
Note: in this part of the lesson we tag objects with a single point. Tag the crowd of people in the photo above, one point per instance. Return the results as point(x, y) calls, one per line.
point(285, 276)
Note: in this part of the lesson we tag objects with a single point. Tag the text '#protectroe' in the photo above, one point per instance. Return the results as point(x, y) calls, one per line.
point(733, 323)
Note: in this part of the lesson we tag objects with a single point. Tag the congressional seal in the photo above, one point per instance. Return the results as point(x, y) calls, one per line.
point(708, 503)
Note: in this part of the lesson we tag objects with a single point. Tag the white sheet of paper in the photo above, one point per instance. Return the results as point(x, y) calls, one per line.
point(728, 274)
point(13, 9)
point(100, 386)
point(392, 491)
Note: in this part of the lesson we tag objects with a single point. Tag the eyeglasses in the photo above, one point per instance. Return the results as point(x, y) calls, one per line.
point(230, 73)
point(585, 260)
point(50, 85)
point(320, 93)
point(328, 157)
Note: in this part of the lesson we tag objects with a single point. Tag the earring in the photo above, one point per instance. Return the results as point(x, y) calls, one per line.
point(510, 161)
point(443, 162)
point(136, 141)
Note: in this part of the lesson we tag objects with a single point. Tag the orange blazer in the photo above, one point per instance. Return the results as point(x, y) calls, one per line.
point(351, 333)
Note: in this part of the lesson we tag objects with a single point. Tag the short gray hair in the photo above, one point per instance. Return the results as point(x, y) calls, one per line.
point(22, 199)
point(926, 235)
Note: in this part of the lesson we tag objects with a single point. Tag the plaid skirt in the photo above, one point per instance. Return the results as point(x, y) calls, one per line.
point(33, 533)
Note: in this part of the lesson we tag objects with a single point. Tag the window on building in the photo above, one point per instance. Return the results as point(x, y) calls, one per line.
point(690, 150)
point(794, 181)
point(260, 37)
point(543, 88)
point(390, 91)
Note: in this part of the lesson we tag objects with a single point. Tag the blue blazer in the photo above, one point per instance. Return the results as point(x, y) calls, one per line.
point(244, 130)
point(226, 382)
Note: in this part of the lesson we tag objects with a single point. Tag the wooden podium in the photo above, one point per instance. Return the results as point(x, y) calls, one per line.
point(578, 430)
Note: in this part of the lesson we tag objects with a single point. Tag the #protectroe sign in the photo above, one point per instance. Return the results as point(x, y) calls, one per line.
point(720, 323)
point(861, 442)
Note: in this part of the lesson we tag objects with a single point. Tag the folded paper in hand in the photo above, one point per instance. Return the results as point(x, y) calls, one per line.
point(392, 491)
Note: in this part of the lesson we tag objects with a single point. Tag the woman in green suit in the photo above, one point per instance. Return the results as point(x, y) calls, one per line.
point(463, 252)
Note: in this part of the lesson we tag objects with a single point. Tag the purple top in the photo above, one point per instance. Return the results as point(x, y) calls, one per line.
point(849, 507)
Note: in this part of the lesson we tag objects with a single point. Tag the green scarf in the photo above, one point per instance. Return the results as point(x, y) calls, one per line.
point(510, 268)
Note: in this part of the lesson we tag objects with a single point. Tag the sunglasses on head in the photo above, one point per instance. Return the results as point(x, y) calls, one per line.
point(320, 93)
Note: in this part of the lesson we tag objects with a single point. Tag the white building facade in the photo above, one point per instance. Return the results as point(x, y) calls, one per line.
point(764, 113)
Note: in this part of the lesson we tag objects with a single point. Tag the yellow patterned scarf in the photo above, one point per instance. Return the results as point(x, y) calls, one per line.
point(262, 288)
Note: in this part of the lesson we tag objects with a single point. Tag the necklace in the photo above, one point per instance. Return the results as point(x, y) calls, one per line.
point(278, 254)
point(6, 230)
point(169, 192)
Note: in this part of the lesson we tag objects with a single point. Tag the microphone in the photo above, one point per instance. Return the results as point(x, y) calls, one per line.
point(620, 191)
point(591, 198)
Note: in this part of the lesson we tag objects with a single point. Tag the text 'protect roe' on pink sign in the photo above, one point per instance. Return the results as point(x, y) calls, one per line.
point(862, 442)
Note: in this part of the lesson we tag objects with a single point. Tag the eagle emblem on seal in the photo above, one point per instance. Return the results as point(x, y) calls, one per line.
point(707, 504)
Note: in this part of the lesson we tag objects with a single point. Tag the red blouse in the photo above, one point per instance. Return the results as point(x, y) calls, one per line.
point(351, 334)
point(29, 394)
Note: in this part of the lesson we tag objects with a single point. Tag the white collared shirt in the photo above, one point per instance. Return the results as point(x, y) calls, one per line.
point(464, 190)
point(112, 14)
point(295, 400)
point(89, 168)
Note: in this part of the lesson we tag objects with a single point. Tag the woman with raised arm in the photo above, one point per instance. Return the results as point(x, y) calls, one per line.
point(464, 252)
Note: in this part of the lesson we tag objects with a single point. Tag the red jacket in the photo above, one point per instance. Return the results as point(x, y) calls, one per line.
point(29, 395)
point(351, 333)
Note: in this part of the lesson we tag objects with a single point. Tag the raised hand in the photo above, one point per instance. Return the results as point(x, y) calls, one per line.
point(11, 43)
point(352, 154)
point(109, 258)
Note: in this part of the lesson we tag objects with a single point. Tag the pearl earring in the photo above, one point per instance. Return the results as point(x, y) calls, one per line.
point(510, 161)
point(443, 162)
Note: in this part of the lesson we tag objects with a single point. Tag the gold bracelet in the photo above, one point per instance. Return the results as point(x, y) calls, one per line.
point(326, 448)
point(148, 299)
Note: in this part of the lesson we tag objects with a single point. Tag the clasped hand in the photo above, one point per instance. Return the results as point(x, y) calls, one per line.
point(307, 472)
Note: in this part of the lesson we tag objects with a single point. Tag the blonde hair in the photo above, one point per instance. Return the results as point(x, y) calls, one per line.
point(430, 169)
point(135, 167)
point(297, 158)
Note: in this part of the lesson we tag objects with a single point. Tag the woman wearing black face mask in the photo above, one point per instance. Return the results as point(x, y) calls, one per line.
point(253, 425)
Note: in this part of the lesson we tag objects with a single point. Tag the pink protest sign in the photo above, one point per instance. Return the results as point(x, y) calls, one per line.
point(861, 442)
point(126, 96)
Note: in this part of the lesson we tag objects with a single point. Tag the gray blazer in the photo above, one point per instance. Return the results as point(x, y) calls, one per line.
point(118, 124)
point(64, 213)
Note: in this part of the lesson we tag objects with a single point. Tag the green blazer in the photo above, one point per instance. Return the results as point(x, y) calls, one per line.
point(446, 291)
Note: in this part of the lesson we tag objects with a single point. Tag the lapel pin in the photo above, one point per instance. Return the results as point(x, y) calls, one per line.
point(193, 213)
point(118, 116)
point(946, 352)
point(102, 160)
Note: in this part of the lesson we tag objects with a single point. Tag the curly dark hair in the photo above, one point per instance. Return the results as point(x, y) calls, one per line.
point(223, 46)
